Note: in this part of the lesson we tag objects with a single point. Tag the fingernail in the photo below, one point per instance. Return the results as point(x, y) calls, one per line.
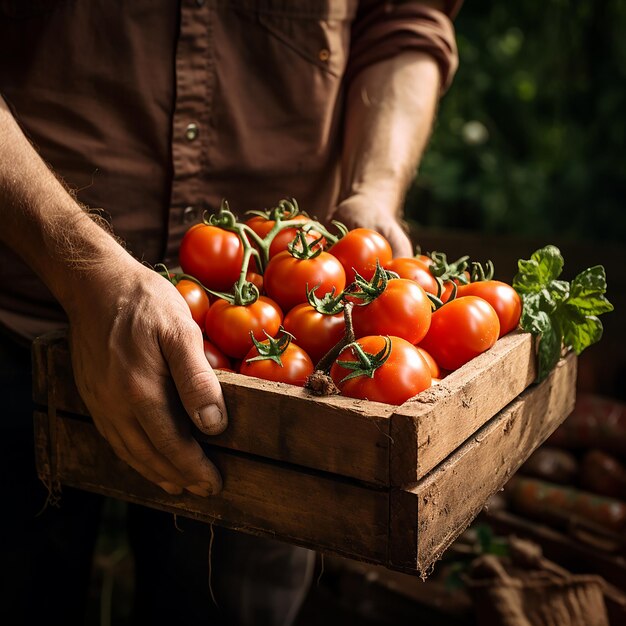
point(204, 490)
point(210, 416)
point(171, 488)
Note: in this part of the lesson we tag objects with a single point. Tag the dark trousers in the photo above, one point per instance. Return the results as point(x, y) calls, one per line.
point(47, 550)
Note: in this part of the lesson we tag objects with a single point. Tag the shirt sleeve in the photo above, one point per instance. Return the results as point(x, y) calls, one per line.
point(384, 29)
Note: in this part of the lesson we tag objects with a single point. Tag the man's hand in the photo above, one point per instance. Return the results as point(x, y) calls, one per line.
point(390, 108)
point(141, 370)
point(358, 212)
point(137, 354)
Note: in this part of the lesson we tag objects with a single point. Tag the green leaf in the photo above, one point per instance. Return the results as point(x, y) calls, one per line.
point(535, 320)
point(543, 267)
point(549, 351)
point(579, 331)
point(587, 292)
point(454, 579)
point(485, 536)
point(559, 313)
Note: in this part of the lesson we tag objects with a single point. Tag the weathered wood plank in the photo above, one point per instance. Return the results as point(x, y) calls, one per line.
point(39, 354)
point(427, 428)
point(405, 529)
point(352, 438)
point(427, 516)
point(258, 497)
point(273, 420)
point(286, 423)
point(42, 446)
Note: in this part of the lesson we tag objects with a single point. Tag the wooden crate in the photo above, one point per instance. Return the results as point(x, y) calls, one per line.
point(379, 483)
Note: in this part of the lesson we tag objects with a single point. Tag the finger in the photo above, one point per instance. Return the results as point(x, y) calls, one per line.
point(400, 243)
point(119, 447)
point(173, 453)
point(196, 383)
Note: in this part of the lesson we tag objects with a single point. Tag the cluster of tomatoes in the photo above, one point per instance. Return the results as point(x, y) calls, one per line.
point(286, 294)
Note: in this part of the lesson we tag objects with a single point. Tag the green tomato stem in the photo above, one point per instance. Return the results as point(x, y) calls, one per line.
point(330, 357)
point(227, 220)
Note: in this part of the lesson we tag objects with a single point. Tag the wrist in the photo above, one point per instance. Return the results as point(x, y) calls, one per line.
point(382, 199)
point(80, 261)
point(43, 223)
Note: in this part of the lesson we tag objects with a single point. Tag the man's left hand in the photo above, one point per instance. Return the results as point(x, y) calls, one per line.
point(358, 212)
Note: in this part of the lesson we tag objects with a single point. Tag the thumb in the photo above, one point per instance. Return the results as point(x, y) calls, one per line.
point(196, 382)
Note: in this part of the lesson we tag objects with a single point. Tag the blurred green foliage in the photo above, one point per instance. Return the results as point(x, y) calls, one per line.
point(531, 137)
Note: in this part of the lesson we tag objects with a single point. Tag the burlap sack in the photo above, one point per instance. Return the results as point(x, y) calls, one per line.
point(528, 590)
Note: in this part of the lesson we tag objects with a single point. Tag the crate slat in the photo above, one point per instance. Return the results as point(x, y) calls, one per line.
point(429, 427)
point(449, 498)
point(404, 528)
point(372, 442)
point(258, 497)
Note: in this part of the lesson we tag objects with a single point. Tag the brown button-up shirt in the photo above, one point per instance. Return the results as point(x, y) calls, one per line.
point(155, 110)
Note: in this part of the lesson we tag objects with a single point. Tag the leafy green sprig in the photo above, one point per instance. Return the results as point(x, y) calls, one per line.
point(563, 315)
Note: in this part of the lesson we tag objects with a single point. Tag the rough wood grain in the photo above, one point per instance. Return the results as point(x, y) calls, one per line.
point(352, 438)
point(427, 428)
point(405, 529)
point(333, 434)
point(273, 420)
point(39, 355)
point(258, 496)
point(42, 446)
point(430, 514)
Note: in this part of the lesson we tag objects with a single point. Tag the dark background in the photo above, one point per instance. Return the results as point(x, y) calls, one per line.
point(528, 149)
point(530, 137)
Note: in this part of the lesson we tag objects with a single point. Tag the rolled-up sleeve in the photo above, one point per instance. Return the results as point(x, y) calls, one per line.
point(384, 29)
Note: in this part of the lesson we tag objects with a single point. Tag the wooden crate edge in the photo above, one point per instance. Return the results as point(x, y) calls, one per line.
point(458, 407)
point(430, 497)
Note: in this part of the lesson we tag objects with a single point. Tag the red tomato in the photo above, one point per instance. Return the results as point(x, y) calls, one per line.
point(228, 326)
point(414, 269)
point(262, 226)
point(448, 287)
point(216, 358)
point(256, 279)
point(460, 330)
point(313, 331)
point(196, 298)
point(447, 291)
point(286, 278)
point(402, 309)
point(403, 375)
point(212, 255)
point(435, 370)
point(424, 258)
point(502, 297)
point(295, 369)
point(359, 249)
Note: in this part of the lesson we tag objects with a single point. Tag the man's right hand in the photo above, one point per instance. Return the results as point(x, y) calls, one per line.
point(140, 368)
point(138, 356)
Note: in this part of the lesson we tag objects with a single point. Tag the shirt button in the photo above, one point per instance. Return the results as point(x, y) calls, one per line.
point(192, 131)
point(190, 214)
point(324, 55)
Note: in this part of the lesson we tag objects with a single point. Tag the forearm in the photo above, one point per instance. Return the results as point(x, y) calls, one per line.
point(389, 114)
point(43, 223)
point(136, 351)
